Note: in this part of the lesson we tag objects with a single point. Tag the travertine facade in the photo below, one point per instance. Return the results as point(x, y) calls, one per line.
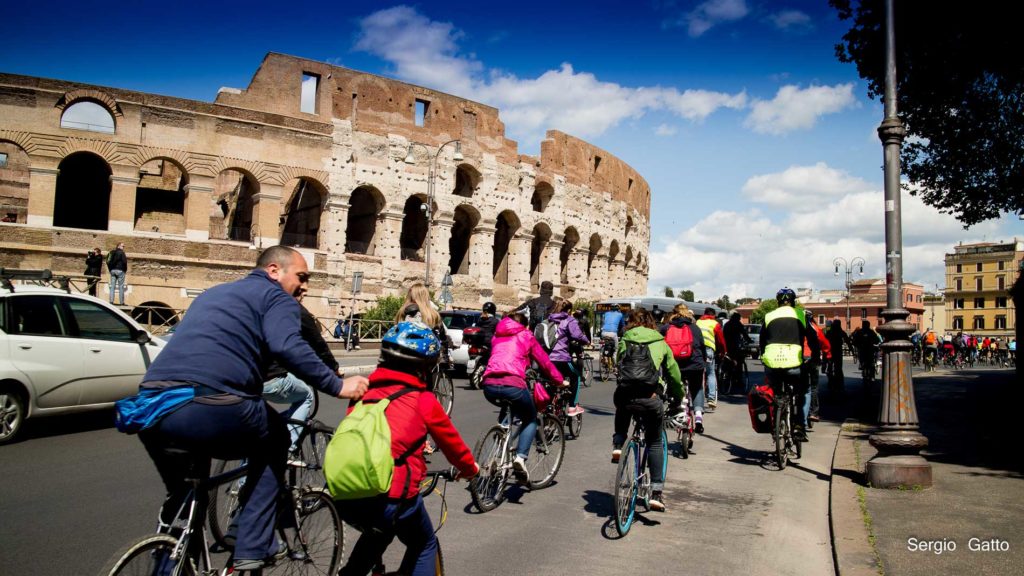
point(336, 162)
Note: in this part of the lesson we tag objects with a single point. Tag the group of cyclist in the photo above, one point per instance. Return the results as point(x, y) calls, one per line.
point(961, 349)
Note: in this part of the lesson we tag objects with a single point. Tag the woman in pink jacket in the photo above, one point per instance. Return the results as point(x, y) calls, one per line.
point(504, 380)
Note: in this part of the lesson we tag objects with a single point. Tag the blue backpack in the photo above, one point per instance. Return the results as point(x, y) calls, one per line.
point(138, 412)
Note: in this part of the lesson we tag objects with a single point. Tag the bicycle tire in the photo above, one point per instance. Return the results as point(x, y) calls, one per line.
point(781, 433)
point(664, 449)
point(311, 451)
point(488, 487)
point(439, 561)
point(476, 377)
point(548, 452)
point(321, 536)
point(574, 425)
point(145, 557)
point(316, 404)
point(444, 390)
point(625, 488)
point(223, 499)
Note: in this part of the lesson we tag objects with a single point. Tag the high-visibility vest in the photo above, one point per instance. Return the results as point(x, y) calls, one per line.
point(707, 328)
point(783, 354)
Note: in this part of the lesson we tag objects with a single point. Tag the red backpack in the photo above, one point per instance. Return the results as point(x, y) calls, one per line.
point(680, 340)
point(761, 404)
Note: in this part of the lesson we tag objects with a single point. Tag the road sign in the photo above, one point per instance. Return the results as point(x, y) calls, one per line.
point(357, 283)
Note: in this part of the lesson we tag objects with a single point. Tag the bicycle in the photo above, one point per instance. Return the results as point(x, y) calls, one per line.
point(496, 450)
point(556, 409)
point(607, 368)
point(733, 371)
point(182, 547)
point(782, 431)
point(632, 478)
point(442, 387)
point(586, 365)
point(683, 424)
point(427, 487)
point(305, 472)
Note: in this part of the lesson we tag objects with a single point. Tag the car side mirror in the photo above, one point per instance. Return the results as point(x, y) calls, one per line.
point(142, 337)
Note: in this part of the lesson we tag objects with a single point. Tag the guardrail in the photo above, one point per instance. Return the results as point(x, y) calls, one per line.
point(367, 330)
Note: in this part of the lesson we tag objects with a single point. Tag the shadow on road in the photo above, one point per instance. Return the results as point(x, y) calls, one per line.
point(68, 424)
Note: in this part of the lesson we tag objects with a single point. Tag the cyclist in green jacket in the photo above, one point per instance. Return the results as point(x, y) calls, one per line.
point(642, 396)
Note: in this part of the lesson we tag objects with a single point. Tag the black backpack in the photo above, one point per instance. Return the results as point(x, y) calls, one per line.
point(636, 368)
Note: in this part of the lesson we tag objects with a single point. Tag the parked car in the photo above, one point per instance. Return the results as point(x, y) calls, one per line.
point(754, 331)
point(455, 321)
point(62, 352)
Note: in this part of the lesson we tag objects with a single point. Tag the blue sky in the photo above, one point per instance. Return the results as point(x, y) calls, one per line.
point(759, 146)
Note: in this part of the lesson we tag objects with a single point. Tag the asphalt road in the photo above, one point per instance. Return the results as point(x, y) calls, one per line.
point(75, 491)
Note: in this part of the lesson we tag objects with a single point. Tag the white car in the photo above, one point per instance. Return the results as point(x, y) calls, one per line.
point(65, 352)
point(454, 322)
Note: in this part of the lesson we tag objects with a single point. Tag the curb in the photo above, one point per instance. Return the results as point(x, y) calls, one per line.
point(852, 551)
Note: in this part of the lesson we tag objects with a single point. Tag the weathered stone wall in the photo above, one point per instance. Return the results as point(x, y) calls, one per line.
point(576, 215)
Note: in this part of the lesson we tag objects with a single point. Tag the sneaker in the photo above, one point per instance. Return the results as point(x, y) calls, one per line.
point(656, 503)
point(574, 411)
point(814, 418)
point(519, 470)
point(295, 461)
point(698, 424)
point(616, 454)
point(712, 404)
point(800, 435)
point(242, 564)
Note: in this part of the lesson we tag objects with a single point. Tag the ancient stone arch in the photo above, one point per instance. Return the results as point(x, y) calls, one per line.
point(466, 218)
point(97, 96)
point(302, 216)
point(538, 248)
point(506, 225)
point(365, 205)
point(414, 228)
point(595, 249)
point(543, 192)
point(467, 180)
point(160, 196)
point(231, 216)
point(569, 241)
point(82, 198)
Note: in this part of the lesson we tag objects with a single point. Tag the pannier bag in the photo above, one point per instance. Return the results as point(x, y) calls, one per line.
point(761, 403)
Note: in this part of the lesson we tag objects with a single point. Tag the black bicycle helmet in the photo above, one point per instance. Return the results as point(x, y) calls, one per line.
point(785, 296)
point(411, 343)
point(490, 308)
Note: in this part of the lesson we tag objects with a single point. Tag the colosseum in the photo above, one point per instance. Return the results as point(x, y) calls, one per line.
point(358, 172)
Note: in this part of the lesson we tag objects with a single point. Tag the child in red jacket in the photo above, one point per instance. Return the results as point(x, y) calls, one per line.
point(409, 351)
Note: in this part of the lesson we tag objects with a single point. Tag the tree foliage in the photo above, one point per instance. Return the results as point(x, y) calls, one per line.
point(685, 295)
point(766, 306)
point(385, 309)
point(669, 293)
point(724, 303)
point(960, 94)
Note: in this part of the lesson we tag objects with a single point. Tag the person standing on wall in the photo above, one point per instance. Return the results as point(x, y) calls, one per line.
point(94, 267)
point(117, 264)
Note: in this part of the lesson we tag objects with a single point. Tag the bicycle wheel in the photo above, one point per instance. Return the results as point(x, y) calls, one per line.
point(488, 487)
point(476, 377)
point(548, 451)
point(311, 452)
point(625, 488)
point(145, 557)
point(781, 435)
point(321, 538)
point(587, 371)
point(445, 391)
point(223, 502)
point(575, 425)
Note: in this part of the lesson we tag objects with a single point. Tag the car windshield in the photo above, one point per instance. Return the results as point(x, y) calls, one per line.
point(459, 321)
point(753, 329)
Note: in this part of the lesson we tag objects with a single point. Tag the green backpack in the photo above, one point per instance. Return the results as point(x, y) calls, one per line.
point(358, 462)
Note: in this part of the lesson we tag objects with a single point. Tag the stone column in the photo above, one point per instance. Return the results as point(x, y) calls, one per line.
point(481, 256)
point(440, 253)
point(597, 282)
point(333, 229)
point(124, 184)
point(615, 276)
point(42, 194)
point(266, 216)
point(387, 240)
point(550, 265)
point(519, 260)
point(629, 279)
point(576, 271)
point(198, 203)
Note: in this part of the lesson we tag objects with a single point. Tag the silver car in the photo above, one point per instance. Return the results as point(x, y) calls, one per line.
point(454, 322)
point(62, 352)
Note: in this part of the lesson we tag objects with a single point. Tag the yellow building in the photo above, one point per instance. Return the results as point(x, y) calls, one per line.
point(978, 282)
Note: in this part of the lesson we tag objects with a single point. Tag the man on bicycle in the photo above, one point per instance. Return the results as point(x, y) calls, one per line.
point(866, 341)
point(782, 352)
point(931, 346)
point(735, 338)
point(613, 323)
point(221, 348)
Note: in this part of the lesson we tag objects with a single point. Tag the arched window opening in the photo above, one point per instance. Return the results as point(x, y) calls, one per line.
point(613, 251)
point(629, 258)
point(14, 183)
point(466, 220)
point(83, 192)
point(414, 229)
point(160, 197)
point(505, 228)
point(629, 226)
point(569, 242)
point(232, 218)
point(595, 249)
point(466, 181)
point(364, 207)
point(301, 221)
point(542, 195)
point(155, 316)
point(539, 245)
point(86, 115)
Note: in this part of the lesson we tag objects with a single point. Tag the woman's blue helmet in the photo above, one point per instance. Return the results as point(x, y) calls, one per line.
point(411, 342)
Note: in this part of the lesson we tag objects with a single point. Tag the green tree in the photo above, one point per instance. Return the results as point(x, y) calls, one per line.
point(960, 93)
point(766, 306)
point(724, 303)
point(669, 293)
point(385, 309)
point(686, 295)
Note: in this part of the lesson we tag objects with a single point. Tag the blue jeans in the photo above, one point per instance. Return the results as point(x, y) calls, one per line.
point(381, 519)
point(523, 408)
point(117, 283)
point(288, 389)
point(709, 369)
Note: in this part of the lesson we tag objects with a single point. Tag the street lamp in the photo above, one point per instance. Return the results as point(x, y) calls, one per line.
point(431, 176)
point(856, 262)
point(899, 441)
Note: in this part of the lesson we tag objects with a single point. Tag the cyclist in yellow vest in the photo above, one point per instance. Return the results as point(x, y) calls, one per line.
point(782, 352)
point(714, 344)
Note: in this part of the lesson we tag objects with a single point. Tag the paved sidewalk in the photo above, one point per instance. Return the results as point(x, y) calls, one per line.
point(972, 520)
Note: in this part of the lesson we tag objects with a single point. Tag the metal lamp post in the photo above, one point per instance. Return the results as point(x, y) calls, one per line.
point(858, 261)
point(428, 206)
point(898, 441)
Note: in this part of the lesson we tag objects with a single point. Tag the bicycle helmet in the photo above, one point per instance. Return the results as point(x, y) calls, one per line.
point(785, 296)
point(490, 308)
point(411, 343)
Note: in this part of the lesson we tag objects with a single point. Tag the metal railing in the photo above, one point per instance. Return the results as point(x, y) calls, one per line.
point(368, 330)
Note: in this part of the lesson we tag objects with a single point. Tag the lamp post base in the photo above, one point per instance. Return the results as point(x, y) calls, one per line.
point(899, 471)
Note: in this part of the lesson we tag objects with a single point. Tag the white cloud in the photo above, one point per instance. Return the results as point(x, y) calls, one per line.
point(666, 130)
point(790, 20)
point(798, 109)
point(699, 104)
point(714, 12)
point(800, 187)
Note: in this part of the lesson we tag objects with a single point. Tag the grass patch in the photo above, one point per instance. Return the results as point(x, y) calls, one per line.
point(866, 516)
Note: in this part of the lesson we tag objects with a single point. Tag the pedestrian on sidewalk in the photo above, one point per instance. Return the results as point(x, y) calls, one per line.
point(94, 267)
point(117, 264)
